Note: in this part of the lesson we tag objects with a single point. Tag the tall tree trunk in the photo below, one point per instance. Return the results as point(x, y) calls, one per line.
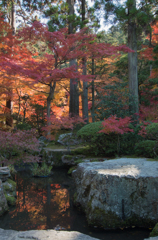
point(12, 17)
point(132, 65)
point(50, 97)
point(74, 94)
point(9, 103)
point(85, 84)
point(93, 118)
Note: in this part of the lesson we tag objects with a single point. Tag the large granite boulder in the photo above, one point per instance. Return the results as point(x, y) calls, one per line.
point(43, 235)
point(3, 201)
point(118, 193)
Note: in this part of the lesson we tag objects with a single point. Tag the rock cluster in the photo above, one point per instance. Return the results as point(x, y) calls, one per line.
point(7, 190)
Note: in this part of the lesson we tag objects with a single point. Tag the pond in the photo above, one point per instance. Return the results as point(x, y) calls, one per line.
point(46, 203)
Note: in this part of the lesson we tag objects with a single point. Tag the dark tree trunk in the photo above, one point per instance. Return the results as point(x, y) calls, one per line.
point(132, 66)
point(9, 104)
point(74, 95)
point(85, 84)
point(93, 118)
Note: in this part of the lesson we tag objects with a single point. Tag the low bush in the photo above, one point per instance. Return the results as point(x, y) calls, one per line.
point(23, 126)
point(19, 146)
point(44, 170)
point(152, 131)
point(100, 143)
point(147, 148)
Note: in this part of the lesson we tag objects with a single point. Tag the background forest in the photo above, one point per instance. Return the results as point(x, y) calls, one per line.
point(66, 73)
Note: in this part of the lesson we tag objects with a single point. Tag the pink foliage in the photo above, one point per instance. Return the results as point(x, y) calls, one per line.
point(56, 123)
point(142, 132)
point(116, 125)
point(21, 143)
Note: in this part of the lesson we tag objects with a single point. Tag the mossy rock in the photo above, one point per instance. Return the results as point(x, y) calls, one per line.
point(11, 200)
point(9, 186)
point(3, 207)
point(71, 170)
point(154, 232)
point(11, 182)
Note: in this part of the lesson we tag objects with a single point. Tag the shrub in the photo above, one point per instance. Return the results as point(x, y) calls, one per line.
point(152, 131)
point(44, 170)
point(100, 143)
point(113, 99)
point(90, 131)
point(23, 126)
point(19, 146)
point(146, 148)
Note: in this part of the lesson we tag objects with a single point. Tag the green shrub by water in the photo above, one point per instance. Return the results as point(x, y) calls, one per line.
point(44, 170)
point(23, 126)
point(152, 131)
point(107, 144)
point(146, 148)
point(100, 143)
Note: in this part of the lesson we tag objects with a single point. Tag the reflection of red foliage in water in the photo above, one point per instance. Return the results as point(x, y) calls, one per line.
point(41, 207)
point(55, 185)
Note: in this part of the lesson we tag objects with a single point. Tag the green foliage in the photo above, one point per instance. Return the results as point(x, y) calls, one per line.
point(11, 182)
point(128, 141)
point(71, 170)
point(107, 144)
point(90, 130)
point(146, 148)
point(154, 232)
point(11, 200)
point(152, 131)
point(38, 119)
point(113, 100)
point(44, 170)
point(100, 143)
point(23, 126)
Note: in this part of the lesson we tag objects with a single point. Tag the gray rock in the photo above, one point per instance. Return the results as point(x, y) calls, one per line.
point(43, 235)
point(69, 139)
point(64, 138)
point(151, 238)
point(70, 160)
point(120, 192)
point(7, 234)
point(4, 173)
point(3, 201)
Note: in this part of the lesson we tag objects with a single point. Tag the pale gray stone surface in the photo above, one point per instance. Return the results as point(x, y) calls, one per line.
point(43, 235)
point(118, 192)
point(7, 234)
point(151, 238)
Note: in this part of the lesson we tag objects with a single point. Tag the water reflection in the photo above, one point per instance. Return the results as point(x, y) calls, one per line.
point(41, 204)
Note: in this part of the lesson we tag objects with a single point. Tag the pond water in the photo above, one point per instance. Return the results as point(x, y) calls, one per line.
point(46, 203)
